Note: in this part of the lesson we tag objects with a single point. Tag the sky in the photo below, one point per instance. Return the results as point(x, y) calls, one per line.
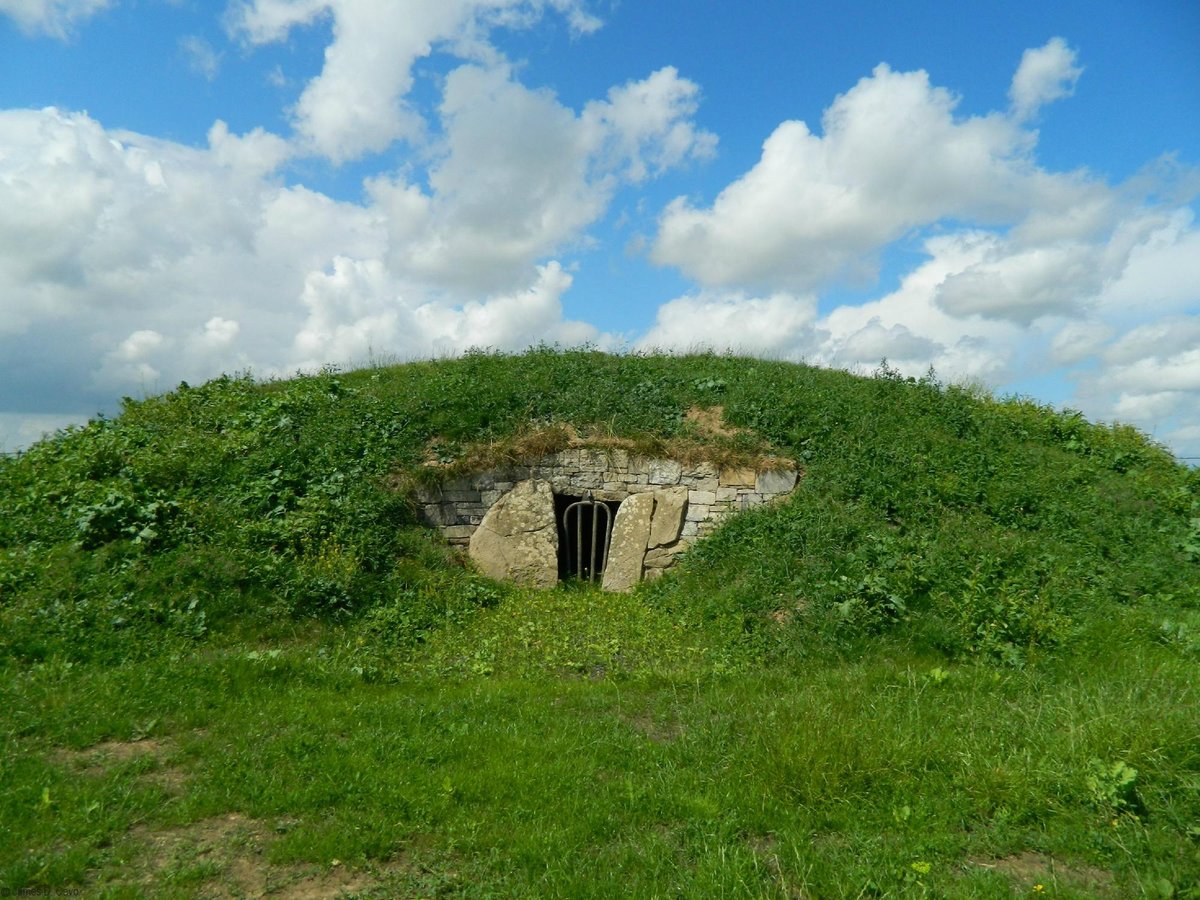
point(1004, 192)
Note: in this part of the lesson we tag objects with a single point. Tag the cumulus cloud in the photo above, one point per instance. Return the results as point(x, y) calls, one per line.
point(358, 103)
point(56, 18)
point(647, 125)
point(892, 157)
point(135, 262)
point(159, 262)
point(520, 174)
point(1046, 73)
point(777, 326)
point(1026, 269)
point(359, 308)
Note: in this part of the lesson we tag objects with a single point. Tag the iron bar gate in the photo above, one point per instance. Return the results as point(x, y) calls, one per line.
point(599, 539)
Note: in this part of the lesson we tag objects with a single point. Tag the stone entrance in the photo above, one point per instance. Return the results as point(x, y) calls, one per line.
point(585, 527)
point(509, 518)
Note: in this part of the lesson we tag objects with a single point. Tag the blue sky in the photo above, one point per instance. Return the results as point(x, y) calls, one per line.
point(1006, 192)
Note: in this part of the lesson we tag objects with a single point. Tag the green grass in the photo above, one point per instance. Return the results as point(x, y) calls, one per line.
point(958, 662)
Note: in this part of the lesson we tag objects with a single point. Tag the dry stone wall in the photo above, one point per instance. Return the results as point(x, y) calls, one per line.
point(688, 501)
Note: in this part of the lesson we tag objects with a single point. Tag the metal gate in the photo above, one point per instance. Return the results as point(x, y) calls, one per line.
point(590, 550)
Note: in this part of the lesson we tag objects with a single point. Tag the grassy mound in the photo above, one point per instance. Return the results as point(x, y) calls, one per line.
point(958, 660)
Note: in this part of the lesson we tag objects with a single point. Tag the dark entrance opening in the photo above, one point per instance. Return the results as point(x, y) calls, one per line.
point(584, 531)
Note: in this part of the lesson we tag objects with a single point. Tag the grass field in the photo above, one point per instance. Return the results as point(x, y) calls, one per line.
point(960, 661)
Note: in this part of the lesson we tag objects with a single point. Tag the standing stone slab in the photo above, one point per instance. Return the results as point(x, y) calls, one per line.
point(669, 507)
point(518, 539)
point(627, 552)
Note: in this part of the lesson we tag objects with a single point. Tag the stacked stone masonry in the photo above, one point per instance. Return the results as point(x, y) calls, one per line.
point(688, 501)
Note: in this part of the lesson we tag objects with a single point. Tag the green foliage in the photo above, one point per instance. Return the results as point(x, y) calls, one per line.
point(1113, 787)
point(958, 661)
point(971, 526)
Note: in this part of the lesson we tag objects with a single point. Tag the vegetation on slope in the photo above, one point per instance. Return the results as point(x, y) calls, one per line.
point(966, 639)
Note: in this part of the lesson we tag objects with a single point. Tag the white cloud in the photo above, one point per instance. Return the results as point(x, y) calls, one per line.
point(1027, 270)
point(1046, 73)
point(647, 125)
point(520, 175)
point(200, 56)
point(357, 104)
point(358, 309)
point(1076, 341)
point(780, 325)
point(56, 18)
point(1025, 284)
point(128, 263)
point(893, 157)
point(909, 327)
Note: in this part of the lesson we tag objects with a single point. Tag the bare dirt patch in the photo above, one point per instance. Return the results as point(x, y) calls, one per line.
point(96, 761)
point(1029, 869)
point(225, 857)
point(99, 757)
point(658, 729)
point(710, 422)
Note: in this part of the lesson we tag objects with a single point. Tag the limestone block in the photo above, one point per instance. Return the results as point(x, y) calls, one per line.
point(467, 496)
point(664, 471)
point(618, 459)
point(592, 460)
point(586, 481)
point(690, 530)
point(437, 514)
point(627, 552)
point(779, 482)
point(708, 483)
point(703, 498)
point(696, 512)
point(669, 508)
point(738, 477)
point(700, 471)
point(458, 534)
point(487, 498)
point(729, 494)
point(518, 538)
